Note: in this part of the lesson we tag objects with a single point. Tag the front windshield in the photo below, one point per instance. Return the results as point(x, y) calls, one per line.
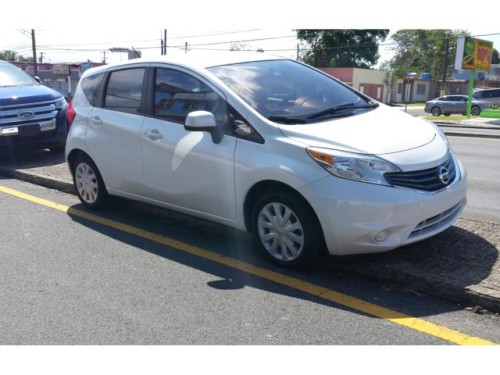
point(286, 91)
point(11, 75)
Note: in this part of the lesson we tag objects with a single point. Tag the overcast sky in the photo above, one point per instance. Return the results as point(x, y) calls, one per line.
point(94, 26)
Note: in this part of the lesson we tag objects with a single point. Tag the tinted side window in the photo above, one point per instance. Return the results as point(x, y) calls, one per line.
point(91, 86)
point(124, 90)
point(176, 94)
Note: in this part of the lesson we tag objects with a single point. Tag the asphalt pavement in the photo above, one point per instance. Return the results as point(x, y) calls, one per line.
point(461, 264)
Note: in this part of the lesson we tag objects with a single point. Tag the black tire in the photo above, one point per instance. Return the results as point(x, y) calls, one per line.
point(286, 229)
point(88, 183)
point(435, 111)
point(475, 110)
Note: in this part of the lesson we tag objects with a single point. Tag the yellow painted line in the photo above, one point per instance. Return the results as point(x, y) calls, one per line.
point(292, 282)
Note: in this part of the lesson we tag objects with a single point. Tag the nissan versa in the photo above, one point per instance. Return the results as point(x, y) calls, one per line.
point(264, 144)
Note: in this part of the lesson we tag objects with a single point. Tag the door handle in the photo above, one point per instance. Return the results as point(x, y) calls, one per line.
point(96, 120)
point(153, 134)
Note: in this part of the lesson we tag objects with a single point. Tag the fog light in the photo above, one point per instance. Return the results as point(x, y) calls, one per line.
point(382, 235)
point(49, 125)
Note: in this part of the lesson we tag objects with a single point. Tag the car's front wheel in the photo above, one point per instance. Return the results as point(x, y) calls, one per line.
point(88, 183)
point(435, 111)
point(286, 229)
point(475, 110)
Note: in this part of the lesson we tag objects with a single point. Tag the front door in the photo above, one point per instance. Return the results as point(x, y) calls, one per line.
point(186, 168)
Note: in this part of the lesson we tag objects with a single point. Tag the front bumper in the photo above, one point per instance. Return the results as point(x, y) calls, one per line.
point(359, 218)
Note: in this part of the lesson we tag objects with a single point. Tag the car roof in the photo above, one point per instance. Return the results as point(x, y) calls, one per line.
point(196, 59)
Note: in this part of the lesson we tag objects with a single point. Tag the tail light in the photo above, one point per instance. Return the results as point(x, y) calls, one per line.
point(70, 113)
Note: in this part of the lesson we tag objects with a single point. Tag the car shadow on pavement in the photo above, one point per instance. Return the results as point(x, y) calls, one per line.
point(447, 256)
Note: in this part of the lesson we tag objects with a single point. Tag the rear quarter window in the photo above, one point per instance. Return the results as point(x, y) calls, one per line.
point(91, 86)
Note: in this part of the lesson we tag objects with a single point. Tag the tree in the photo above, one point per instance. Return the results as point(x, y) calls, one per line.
point(425, 51)
point(495, 59)
point(342, 48)
point(8, 55)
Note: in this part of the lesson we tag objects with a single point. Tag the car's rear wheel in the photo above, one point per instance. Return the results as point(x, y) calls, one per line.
point(88, 183)
point(475, 110)
point(286, 229)
point(435, 111)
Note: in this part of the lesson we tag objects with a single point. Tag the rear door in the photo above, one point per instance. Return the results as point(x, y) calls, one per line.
point(114, 129)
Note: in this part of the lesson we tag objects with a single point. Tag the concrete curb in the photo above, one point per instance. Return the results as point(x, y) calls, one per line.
point(37, 179)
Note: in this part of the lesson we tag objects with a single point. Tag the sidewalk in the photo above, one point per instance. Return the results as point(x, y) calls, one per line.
point(461, 264)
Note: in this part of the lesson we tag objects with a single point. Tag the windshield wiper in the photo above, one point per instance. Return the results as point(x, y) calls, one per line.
point(332, 110)
point(287, 120)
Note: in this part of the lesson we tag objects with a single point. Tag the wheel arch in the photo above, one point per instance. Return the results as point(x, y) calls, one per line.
point(270, 185)
point(73, 155)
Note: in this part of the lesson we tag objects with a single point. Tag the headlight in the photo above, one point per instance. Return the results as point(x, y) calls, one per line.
point(356, 167)
point(61, 103)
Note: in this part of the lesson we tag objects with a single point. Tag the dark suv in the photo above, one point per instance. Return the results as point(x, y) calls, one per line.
point(32, 116)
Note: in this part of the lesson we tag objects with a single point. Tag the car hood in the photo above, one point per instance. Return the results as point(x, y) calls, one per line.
point(13, 95)
point(381, 131)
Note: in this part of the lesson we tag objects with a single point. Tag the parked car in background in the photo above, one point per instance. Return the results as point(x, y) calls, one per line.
point(489, 95)
point(32, 116)
point(265, 144)
point(450, 104)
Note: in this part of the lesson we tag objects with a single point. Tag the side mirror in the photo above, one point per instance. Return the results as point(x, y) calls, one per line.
point(204, 121)
point(38, 79)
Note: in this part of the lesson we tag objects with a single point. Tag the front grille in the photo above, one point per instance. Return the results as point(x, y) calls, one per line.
point(41, 112)
point(432, 179)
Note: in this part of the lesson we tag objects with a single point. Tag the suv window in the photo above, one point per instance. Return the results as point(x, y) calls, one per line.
point(124, 90)
point(177, 93)
point(91, 86)
point(487, 94)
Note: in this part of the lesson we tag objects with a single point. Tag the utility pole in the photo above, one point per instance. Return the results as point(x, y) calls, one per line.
point(165, 41)
point(445, 70)
point(163, 48)
point(41, 56)
point(186, 48)
point(104, 57)
point(33, 42)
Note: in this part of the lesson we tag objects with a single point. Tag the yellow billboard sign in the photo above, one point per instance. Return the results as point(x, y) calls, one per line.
point(473, 54)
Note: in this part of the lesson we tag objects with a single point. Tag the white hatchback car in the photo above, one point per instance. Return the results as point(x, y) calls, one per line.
point(264, 144)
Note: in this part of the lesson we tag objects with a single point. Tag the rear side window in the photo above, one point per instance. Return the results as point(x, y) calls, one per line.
point(91, 86)
point(176, 94)
point(124, 90)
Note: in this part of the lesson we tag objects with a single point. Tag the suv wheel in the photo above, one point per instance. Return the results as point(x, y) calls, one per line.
point(435, 111)
point(88, 183)
point(286, 229)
